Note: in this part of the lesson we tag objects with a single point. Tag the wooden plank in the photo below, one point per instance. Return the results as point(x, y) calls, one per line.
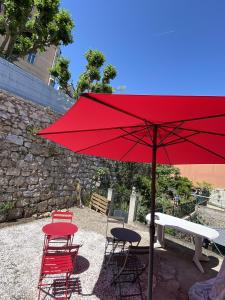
point(100, 199)
point(103, 205)
point(99, 203)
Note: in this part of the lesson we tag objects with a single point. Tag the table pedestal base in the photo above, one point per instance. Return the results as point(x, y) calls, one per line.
point(198, 256)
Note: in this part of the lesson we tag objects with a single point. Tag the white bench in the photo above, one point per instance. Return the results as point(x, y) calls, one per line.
point(198, 231)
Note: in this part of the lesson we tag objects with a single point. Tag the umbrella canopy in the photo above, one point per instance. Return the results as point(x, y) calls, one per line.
point(145, 128)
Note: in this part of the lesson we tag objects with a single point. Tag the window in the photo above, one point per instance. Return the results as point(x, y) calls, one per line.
point(51, 82)
point(31, 58)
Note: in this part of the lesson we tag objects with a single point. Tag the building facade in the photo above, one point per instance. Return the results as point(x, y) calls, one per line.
point(214, 174)
point(39, 63)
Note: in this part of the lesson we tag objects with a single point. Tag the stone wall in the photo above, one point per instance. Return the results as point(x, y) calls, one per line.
point(36, 175)
point(211, 217)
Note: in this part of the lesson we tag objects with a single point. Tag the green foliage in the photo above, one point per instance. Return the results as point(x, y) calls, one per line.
point(5, 207)
point(169, 182)
point(33, 130)
point(61, 73)
point(205, 187)
point(33, 25)
point(91, 79)
point(170, 231)
point(100, 172)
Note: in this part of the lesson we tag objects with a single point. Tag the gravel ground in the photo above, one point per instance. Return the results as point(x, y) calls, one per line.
point(21, 249)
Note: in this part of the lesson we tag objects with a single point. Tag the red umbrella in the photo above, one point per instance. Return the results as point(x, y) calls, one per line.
point(145, 128)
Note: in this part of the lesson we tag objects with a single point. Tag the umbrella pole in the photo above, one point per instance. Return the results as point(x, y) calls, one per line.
point(152, 223)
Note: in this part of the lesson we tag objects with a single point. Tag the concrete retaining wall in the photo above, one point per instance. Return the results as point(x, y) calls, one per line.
point(19, 82)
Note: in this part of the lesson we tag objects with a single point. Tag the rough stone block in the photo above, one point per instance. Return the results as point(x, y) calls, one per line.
point(13, 172)
point(15, 213)
point(15, 139)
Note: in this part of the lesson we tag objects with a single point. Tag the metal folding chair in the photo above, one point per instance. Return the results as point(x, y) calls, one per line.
point(128, 268)
point(110, 240)
point(62, 216)
point(58, 263)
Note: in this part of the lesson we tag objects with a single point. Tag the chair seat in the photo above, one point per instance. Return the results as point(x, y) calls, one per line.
point(57, 264)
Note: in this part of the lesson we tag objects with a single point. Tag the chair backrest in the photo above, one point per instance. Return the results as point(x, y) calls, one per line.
point(62, 216)
point(118, 220)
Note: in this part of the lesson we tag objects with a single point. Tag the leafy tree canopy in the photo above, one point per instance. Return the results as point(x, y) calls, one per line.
point(91, 80)
point(32, 25)
point(60, 71)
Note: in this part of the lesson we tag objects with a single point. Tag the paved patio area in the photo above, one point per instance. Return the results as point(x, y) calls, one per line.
point(21, 247)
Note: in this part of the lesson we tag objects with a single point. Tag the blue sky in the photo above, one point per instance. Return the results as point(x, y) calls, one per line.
point(157, 46)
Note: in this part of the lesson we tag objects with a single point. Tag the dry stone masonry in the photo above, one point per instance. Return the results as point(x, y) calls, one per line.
point(36, 175)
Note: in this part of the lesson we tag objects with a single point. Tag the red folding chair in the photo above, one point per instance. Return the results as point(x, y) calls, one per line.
point(56, 262)
point(62, 216)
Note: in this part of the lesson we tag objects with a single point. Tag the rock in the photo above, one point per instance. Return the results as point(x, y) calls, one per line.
point(5, 163)
point(51, 202)
point(14, 156)
point(22, 203)
point(15, 213)
point(42, 206)
point(46, 196)
point(25, 173)
point(32, 180)
point(13, 172)
point(3, 218)
point(15, 139)
point(29, 157)
point(28, 194)
point(29, 211)
point(46, 215)
point(27, 144)
point(19, 181)
point(3, 181)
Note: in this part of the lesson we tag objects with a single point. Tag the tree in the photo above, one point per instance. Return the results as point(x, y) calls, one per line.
point(91, 80)
point(60, 71)
point(32, 25)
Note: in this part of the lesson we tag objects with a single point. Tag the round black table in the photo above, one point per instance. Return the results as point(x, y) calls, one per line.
point(125, 235)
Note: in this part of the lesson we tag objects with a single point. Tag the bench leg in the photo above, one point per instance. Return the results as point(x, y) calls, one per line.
point(198, 253)
point(160, 242)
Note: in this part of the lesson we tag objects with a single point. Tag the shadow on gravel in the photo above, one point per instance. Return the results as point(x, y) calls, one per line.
point(82, 265)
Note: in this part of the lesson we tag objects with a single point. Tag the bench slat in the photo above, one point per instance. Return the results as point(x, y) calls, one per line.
point(99, 203)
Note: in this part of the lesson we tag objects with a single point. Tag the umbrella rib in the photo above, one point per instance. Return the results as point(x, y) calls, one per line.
point(197, 131)
point(149, 132)
point(194, 119)
point(178, 140)
point(169, 134)
point(88, 96)
point(165, 150)
point(88, 130)
point(197, 145)
point(107, 141)
point(137, 138)
point(131, 148)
